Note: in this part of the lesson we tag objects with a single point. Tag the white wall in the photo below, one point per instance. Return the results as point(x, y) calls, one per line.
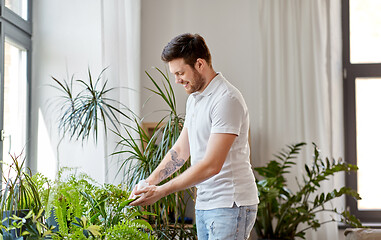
point(66, 40)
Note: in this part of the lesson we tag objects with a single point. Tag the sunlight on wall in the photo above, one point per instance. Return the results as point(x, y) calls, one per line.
point(46, 163)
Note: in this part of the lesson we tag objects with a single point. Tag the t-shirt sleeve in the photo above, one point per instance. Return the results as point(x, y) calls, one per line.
point(227, 116)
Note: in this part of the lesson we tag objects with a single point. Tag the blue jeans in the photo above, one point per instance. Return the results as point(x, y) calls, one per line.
point(233, 223)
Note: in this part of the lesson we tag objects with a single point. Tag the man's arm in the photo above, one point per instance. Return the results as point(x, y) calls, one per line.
point(217, 150)
point(172, 161)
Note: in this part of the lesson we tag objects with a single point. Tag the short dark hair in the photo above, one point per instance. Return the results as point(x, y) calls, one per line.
point(188, 46)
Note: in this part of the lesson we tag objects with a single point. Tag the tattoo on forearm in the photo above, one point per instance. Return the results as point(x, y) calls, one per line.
point(171, 166)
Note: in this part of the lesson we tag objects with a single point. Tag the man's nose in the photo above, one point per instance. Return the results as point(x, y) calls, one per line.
point(178, 80)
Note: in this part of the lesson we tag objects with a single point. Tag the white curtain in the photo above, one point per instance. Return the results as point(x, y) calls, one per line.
point(300, 86)
point(121, 55)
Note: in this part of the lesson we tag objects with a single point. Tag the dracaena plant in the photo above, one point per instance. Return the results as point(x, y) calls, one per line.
point(89, 109)
point(19, 190)
point(19, 195)
point(282, 212)
point(143, 152)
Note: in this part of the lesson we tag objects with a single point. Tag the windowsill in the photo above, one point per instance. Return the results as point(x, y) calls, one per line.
point(369, 225)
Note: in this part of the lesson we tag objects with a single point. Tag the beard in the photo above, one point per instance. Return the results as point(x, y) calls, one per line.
point(197, 84)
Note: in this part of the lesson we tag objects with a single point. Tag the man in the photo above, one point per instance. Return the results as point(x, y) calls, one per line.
point(215, 135)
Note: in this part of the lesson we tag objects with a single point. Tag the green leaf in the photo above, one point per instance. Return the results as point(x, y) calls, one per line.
point(308, 171)
point(286, 215)
point(143, 223)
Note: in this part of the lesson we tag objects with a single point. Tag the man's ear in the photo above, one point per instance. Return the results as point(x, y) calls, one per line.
point(199, 64)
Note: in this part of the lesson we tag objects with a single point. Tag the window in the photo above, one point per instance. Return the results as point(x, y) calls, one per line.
point(19, 7)
point(15, 56)
point(362, 101)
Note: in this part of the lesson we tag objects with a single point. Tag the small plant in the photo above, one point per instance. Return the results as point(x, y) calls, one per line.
point(19, 195)
point(34, 226)
point(281, 212)
point(20, 192)
point(128, 231)
point(87, 228)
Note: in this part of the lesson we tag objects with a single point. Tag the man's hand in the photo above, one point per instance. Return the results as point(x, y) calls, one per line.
point(148, 195)
point(142, 183)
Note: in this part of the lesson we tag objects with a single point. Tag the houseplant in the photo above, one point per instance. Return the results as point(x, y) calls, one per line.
point(281, 212)
point(66, 202)
point(81, 114)
point(19, 195)
point(86, 110)
point(83, 209)
point(145, 152)
point(34, 226)
point(109, 209)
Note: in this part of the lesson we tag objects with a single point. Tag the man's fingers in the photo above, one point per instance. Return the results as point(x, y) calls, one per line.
point(145, 195)
point(135, 203)
point(138, 193)
point(132, 195)
point(138, 202)
point(142, 190)
point(139, 189)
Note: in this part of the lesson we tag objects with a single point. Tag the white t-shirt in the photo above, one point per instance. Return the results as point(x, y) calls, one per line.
point(220, 108)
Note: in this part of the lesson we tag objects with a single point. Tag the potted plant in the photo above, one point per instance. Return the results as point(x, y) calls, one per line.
point(144, 153)
point(281, 212)
point(19, 196)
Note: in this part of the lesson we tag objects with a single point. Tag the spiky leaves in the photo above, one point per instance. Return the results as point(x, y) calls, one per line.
point(144, 153)
point(88, 110)
point(281, 211)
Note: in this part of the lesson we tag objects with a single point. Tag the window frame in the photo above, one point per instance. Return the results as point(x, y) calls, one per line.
point(351, 71)
point(18, 30)
point(15, 19)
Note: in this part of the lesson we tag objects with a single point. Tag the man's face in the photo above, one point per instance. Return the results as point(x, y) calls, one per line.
point(186, 75)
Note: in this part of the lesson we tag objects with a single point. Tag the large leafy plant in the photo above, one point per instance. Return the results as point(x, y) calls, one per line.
point(85, 107)
point(144, 153)
point(109, 209)
point(281, 212)
point(82, 209)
